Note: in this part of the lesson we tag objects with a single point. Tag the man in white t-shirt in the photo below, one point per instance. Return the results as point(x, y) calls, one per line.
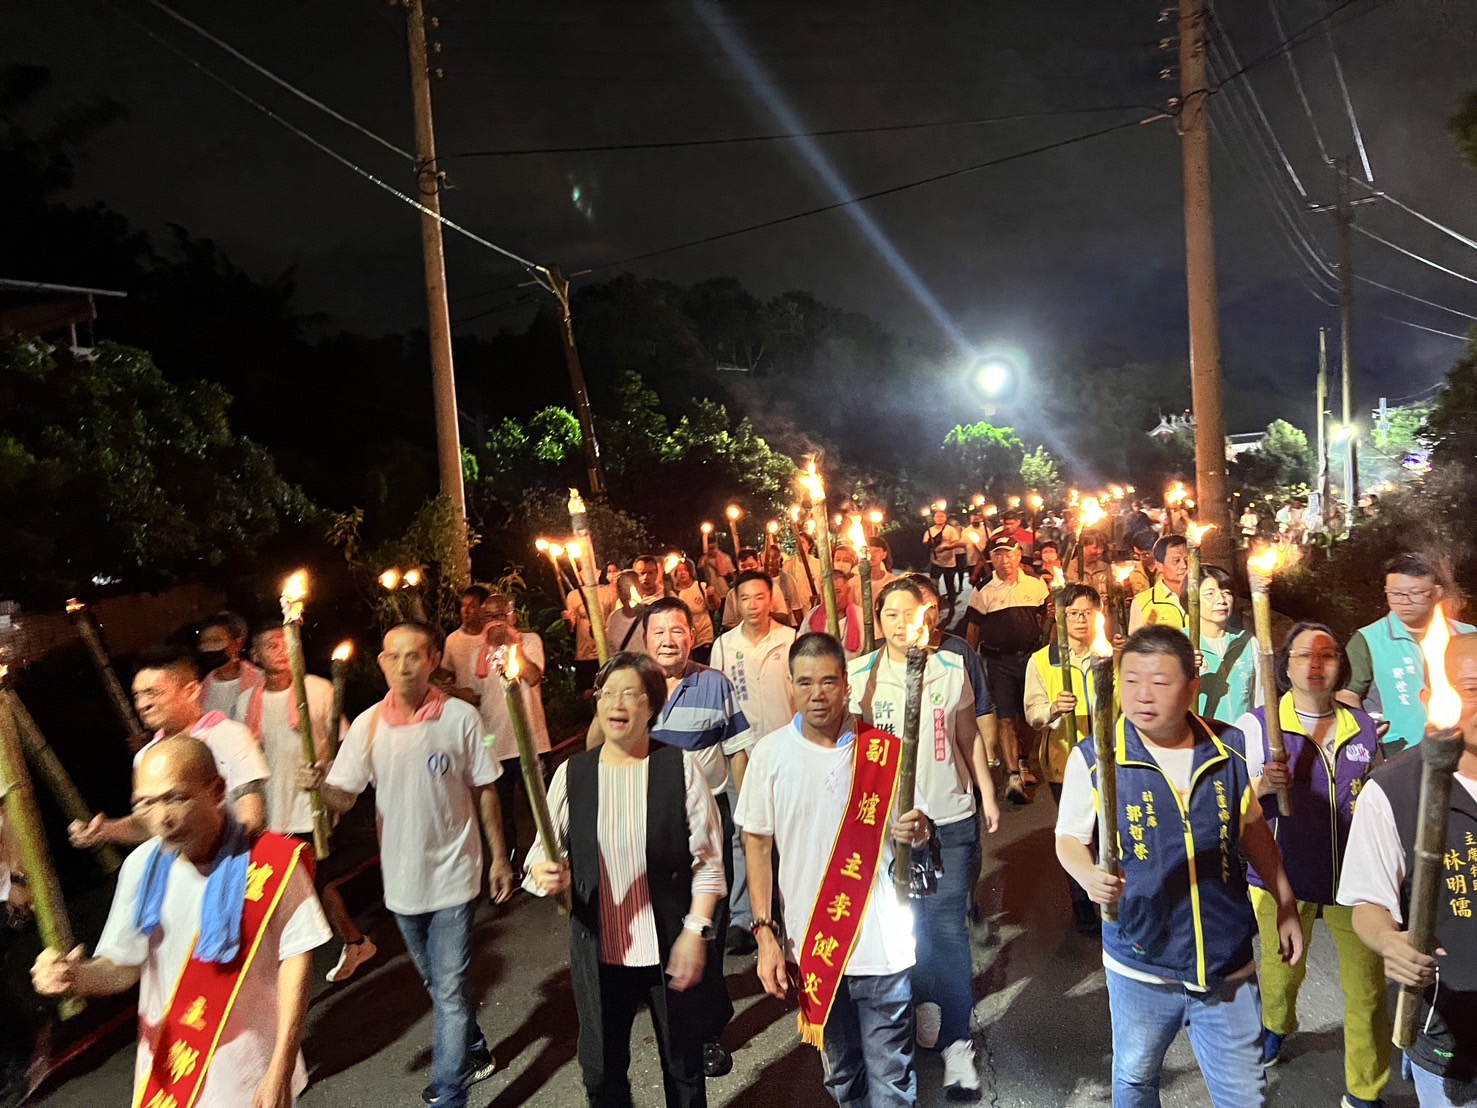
point(459, 657)
point(221, 642)
point(433, 777)
point(269, 712)
point(945, 544)
point(795, 798)
point(152, 931)
point(754, 656)
point(166, 694)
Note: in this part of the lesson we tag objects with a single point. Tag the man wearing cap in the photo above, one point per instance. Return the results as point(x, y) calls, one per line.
point(1006, 615)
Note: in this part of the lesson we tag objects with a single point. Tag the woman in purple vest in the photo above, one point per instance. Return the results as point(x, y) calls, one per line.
point(1330, 752)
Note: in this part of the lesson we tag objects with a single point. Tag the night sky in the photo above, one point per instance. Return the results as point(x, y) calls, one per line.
point(1078, 248)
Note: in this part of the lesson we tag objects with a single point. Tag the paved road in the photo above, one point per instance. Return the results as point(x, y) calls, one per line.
point(1041, 1025)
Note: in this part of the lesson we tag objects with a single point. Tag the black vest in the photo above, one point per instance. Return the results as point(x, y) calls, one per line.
point(1449, 1046)
point(701, 1012)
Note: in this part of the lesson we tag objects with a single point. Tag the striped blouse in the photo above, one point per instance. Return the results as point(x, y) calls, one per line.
point(627, 922)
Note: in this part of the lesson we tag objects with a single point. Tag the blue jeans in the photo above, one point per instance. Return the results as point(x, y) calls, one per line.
point(739, 912)
point(440, 945)
point(944, 972)
point(1225, 1027)
point(868, 1056)
point(1430, 1088)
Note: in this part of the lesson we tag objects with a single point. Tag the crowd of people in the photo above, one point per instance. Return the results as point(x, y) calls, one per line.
point(739, 793)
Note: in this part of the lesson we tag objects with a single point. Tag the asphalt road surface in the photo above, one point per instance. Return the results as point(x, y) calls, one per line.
point(1041, 1023)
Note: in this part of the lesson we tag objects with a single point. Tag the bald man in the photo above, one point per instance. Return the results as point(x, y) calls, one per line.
point(1376, 884)
point(192, 898)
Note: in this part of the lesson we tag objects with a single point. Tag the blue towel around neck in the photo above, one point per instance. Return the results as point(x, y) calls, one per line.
point(225, 893)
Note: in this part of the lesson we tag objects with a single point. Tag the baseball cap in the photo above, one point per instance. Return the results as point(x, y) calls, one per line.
point(1001, 542)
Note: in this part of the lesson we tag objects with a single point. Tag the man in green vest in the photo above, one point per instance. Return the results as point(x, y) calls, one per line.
point(1387, 674)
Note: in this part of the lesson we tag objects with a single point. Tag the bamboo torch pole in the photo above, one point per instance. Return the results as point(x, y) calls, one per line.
point(864, 567)
point(341, 655)
point(1441, 751)
point(528, 761)
point(122, 705)
point(582, 557)
point(1105, 749)
point(22, 813)
point(1260, 569)
point(1193, 535)
point(294, 591)
point(907, 781)
point(815, 488)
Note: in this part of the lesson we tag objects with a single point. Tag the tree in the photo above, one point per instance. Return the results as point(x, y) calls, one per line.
point(1040, 473)
point(985, 455)
point(1451, 427)
point(1462, 127)
point(109, 473)
point(1281, 462)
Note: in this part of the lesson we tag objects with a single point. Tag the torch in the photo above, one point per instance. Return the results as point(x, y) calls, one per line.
point(875, 517)
point(800, 554)
point(734, 512)
point(706, 529)
point(907, 781)
point(1107, 759)
point(294, 591)
point(411, 579)
point(23, 814)
point(1260, 569)
point(1059, 597)
point(1441, 750)
point(864, 567)
point(553, 551)
point(772, 529)
point(1089, 515)
point(528, 761)
point(582, 558)
point(122, 705)
point(1118, 596)
point(815, 489)
point(1193, 534)
point(390, 582)
point(341, 655)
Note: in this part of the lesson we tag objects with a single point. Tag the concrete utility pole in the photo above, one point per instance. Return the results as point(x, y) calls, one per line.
point(1321, 477)
point(558, 284)
point(443, 378)
point(1344, 216)
point(1205, 339)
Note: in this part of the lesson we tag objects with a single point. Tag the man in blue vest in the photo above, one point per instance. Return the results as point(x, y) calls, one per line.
point(1179, 953)
point(1387, 675)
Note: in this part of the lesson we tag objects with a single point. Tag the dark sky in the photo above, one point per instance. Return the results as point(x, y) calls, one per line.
point(1081, 246)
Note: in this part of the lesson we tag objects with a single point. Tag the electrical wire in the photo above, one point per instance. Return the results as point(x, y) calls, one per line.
point(1295, 39)
point(1297, 82)
point(1411, 253)
point(276, 80)
point(1423, 327)
point(1338, 70)
point(1413, 296)
point(932, 179)
point(1218, 29)
point(1383, 194)
point(733, 140)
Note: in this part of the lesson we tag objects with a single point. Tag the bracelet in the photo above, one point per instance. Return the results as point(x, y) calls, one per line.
point(761, 924)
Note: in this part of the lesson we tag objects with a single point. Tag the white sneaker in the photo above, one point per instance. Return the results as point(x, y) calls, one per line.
point(961, 1078)
point(351, 958)
point(927, 1019)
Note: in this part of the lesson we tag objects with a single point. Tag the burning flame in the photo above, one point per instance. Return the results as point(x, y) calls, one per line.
point(810, 527)
point(556, 550)
point(511, 665)
point(344, 651)
point(1100, 644)
point(990, 509)
point(4, 669)
point(875, 516)
point(1058, 581)
point(940, 505)
point(634, 597)
point(1015, 501)
point(576, 502)
point(858, 536)
point(974, 537)
point(541, 545)
point(671, 562)
point(1036, 502)
point(773, 527)
point(1444, 708)
point(74, 605)
point(294, 589)
point(575, 550)
point(390, 579)
point(1267, 562)
point(811, 482)
point(918, 626)
point(1116, 491)
point(733, 511)
point(979, 498)
point(1197, 532)
point(1091, 514)
point(411, 579)
point(794, 513)
point(706, 528)
point(1122, 571)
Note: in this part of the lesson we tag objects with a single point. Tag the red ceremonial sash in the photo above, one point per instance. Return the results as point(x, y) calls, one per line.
point(851, 874)
point(205, 993)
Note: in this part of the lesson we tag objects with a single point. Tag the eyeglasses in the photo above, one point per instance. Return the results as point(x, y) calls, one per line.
point(623, 696)
point(1303, 657)
point(1401, 597)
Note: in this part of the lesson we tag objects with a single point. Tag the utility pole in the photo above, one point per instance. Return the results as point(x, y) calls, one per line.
point(443, 378)
point(1321, 477)
point(1344, 216)
point(1205, 339)
point(558, 284)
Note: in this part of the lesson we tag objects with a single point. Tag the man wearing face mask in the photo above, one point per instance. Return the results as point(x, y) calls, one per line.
point(221, 643)
point(166, 693)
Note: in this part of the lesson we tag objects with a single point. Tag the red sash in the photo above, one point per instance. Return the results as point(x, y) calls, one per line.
point(851, 874)
point(205, 993)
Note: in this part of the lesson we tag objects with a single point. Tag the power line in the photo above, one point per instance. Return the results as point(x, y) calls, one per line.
point(1295, 39)
point(1412, 254)
point(777, 221)
point(1338, 70)
point(733, 140)
point(1298, 84)
point(1385, 195)
point(1413, 296)
point(269, 75)
point(1230, 49)
point(1423, 327)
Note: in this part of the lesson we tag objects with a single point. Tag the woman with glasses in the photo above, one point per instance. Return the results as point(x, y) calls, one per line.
point(1331, 750)
point(644, 866)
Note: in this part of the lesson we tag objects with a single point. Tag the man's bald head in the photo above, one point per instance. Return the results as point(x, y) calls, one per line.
point(179, 794)
point(184, 757)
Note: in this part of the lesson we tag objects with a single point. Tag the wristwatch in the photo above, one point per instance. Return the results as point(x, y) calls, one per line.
point(702, 928)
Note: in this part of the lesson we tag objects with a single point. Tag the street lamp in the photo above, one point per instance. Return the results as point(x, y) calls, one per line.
point(995, 380)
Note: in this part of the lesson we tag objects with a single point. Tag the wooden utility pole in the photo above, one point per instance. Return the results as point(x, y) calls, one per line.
point(1320, 478)
point(558, 284)
point(1344, 216)
point(443, 378)
point(1205, 339)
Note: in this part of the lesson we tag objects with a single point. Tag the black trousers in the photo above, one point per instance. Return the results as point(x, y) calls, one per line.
point(623, 989)
point(723, 913)
point(1079, 894)
point(510, 779)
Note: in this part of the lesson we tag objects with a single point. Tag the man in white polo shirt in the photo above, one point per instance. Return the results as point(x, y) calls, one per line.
point(166, 693)
point(433, 779)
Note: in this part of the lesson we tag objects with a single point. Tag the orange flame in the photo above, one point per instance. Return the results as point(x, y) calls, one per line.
point(390, 579)
point(294, 590)
point(671, 562)
point(857, 535)
point(1036, 502)
point(811, 482)
point(74, 605)
point(706, 528)
point(412, 578)
point(773, 527)
point(1100, 644)
point(1267, 562)
point(1196, 532)
point(918, 626)
point(1091, 513)
point(1444, 708)
point(635, 597)
point(556, 550)
point(541, 545)
point(990, 510)
point(1122, 571)
point(344, 651)
point(575, 550)
point(1058, 580)
point(875, 516)
point(511, 665)
point(733, 511)
point(974, 537)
